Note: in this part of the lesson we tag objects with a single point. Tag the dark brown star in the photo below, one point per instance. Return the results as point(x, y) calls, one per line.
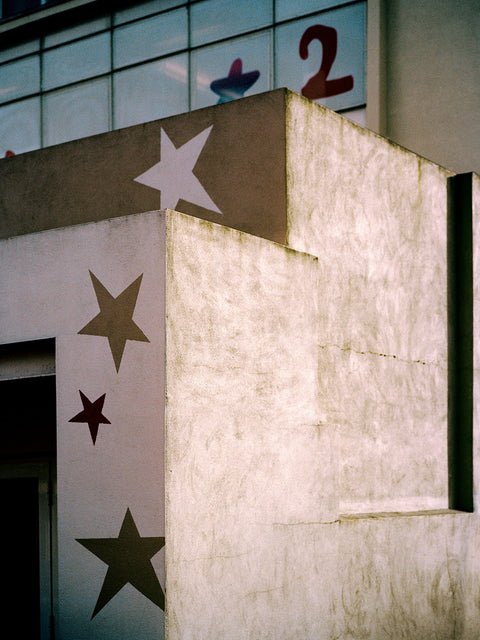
point(115, 320)
point(129, 561)
point(92, 414)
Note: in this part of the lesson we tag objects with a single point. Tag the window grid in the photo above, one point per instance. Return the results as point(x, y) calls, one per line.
point(189, 63)
point(188, 50)
point(112, 84)
point(42, 102)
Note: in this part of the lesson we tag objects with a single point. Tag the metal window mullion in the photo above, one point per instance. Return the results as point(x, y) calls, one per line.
point(42, 101)
point(111, 114)
point(189, 57)
point(274, 46)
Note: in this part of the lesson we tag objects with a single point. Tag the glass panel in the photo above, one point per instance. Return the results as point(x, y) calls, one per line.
point(76, 112)
point(20, 50)
point(285, 9)
point(151, 91)
point(150, 38)
point(215, 19)
point(20, 126)
point(19, 78)
point(145, 9)
point(76, 61)
point(347, 26)
point(236, 68)
point(77, 32)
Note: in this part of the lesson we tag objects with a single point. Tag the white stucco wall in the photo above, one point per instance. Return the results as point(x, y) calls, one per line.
point(409, 576)
point(375, 215)
point(257, 546)
point(251, 492)
point(416, 575)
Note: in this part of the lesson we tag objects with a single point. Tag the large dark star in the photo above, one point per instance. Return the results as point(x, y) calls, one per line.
point(128, 559)
point(92, 414)
point(115, 320)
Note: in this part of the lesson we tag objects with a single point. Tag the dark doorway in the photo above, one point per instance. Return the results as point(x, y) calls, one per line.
point(19, 537)
point(460, 343)
point(27, 499)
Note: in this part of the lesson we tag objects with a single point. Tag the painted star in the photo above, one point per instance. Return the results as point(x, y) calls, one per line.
point(173, 175)
point(128, 559)
point(115, 320)
point(92, 414)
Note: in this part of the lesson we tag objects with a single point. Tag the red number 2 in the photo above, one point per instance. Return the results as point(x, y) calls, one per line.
point(318, 86)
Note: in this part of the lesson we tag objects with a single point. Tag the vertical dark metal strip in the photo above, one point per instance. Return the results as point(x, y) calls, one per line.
point(460, 342)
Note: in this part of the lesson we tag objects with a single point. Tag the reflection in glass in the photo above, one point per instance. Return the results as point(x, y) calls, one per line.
point(215, 63)
point(76, 112)
point(76, 61)
point(349, 59)
point(19, 78)
point(215, 19)
point(20, 126)
point(236, 84)
point(151, 91)
point(150, 38)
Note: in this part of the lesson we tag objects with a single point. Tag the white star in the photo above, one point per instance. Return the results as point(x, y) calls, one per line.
point(173, 175)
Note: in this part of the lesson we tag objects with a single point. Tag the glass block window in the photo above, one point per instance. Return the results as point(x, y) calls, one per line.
point(156, 58)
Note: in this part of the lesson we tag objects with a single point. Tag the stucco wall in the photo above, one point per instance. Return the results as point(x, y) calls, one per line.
point(251, 491)
point(257, 547)
point(409, 576)
point(375, 215)
point(210, 163)
point(416, 575)
point(412, 575)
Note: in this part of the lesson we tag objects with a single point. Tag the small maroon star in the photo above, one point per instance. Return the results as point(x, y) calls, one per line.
point(92, 413)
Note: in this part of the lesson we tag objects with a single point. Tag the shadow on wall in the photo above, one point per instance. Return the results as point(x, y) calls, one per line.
point(460, 342)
